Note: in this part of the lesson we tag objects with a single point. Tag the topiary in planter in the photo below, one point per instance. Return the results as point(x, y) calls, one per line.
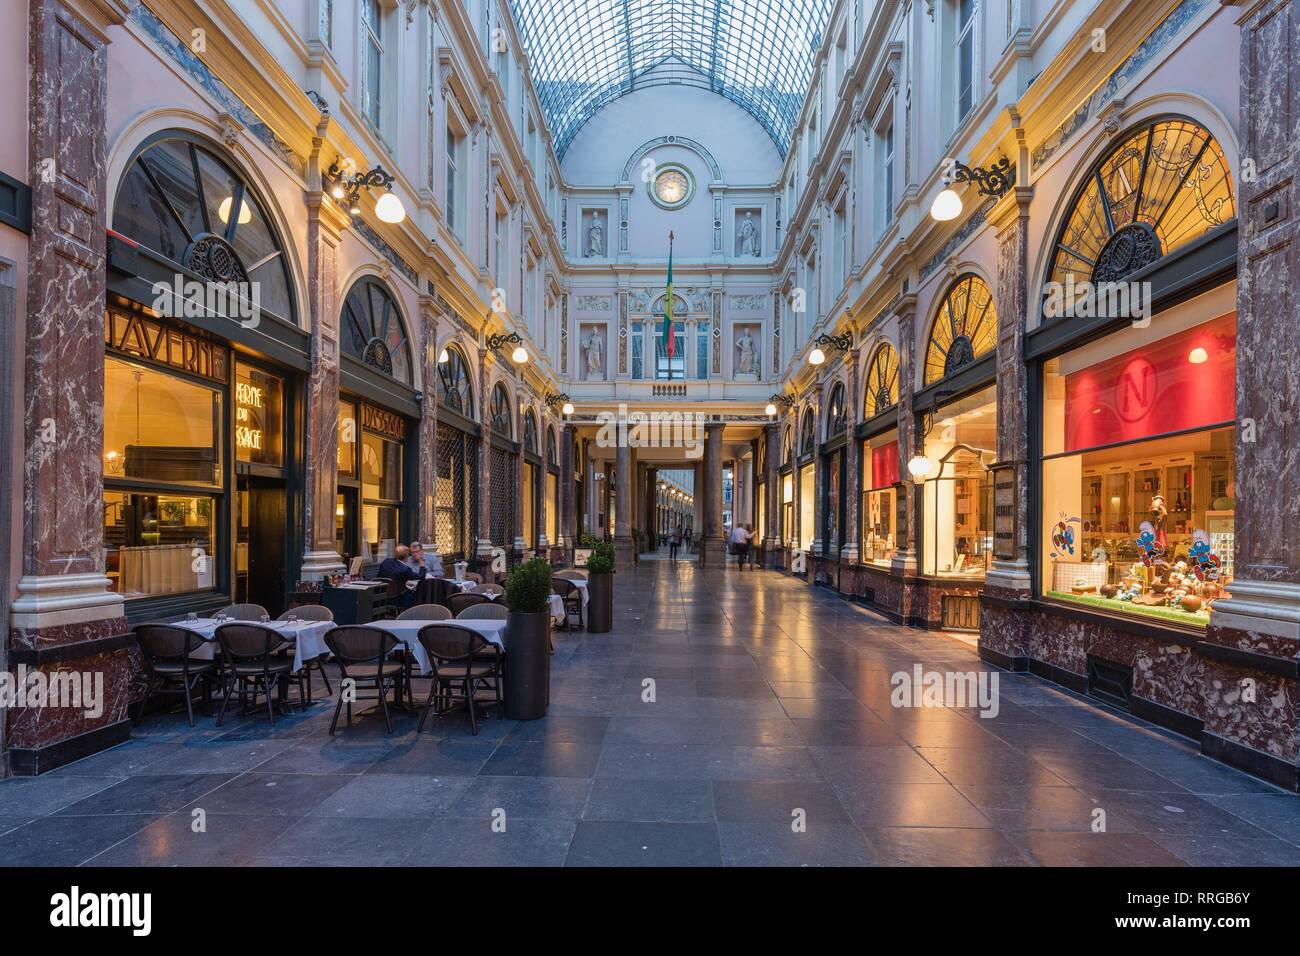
point(528, 588)
point(602, 558)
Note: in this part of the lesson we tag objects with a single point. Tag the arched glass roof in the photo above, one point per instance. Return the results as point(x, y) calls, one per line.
point(586, 53)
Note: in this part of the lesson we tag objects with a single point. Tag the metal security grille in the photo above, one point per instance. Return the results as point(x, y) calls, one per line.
point(449, 500)
point(501, 503)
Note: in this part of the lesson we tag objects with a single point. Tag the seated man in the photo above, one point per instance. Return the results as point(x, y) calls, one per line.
point(396, 568)
point(416, 561)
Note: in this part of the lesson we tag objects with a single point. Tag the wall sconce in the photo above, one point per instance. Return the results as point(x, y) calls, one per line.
point(993, 181)
point(841, 342)
point(347, 191)
point(520, 355)
point(562, 400)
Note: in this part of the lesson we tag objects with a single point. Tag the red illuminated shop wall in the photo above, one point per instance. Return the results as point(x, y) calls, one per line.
point(884, 465)
point(1155, 389)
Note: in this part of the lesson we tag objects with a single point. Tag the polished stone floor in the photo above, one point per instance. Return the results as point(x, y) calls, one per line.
point(770, 739)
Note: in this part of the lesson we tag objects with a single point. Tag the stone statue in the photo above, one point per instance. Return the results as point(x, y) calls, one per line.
point(748, 236)
point(595, 238)
point(748, 364)
point(594, 354)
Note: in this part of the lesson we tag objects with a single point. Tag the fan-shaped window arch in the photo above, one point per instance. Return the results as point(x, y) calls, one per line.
point(552, 450)
point(530, 432)
point(455, 389)
point(836, 417)
point(499, 412)
point(373, 331)
point(1163, 185)
point(882, 381)
point(787, 445)
point(807, 433)
point(180, 199)
point(965, 327)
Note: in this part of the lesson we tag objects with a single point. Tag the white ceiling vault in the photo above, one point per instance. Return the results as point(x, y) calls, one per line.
point(583, 54)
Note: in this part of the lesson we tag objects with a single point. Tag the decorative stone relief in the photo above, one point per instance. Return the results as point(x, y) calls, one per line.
point(564, 334)
point(595, 303)
point(749, 302)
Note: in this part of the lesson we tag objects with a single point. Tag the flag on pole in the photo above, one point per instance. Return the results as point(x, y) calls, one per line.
point(669, 338)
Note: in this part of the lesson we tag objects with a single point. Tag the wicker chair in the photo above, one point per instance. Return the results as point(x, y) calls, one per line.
point(166, 651)
point(243, 612)
point(491, 611)
point(489, 590)
point(461, 658)
point(458, 602)
point(571, 595)
point(254, 664)
point(362, 653)
point(474, 576)
point(312, 612)
point(425, 612)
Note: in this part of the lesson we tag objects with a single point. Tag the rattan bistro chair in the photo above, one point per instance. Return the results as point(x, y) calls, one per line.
point(491, 611)
point(253, 664)
point(458, 602)
point(362, 653)
point(166, 651)
point(425, 612)
point(243, 612)
point(488, 590)
point(571, 595)
point(312, 612)
point(461, 659)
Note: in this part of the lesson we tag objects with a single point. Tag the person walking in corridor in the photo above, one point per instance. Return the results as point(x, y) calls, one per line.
point(740, 545)
point(674, 542)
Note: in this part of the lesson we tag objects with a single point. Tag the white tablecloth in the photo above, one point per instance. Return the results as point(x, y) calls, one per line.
point(408, 632)
point(307, 637)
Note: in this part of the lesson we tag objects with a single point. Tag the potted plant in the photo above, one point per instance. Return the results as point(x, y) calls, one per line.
point(528, 637)
point(600, 588)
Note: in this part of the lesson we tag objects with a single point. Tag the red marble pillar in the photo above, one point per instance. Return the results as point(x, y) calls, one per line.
point(850, 528)
point(64, 618)
point(816, 396)
point(772, 492)
point(568, 489)
point(906, 558)
point(484, 549)
point(325, 224)
point(713, 545)
point(430, 347)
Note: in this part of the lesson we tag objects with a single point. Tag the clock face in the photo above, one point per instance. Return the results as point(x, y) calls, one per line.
point(671, 187)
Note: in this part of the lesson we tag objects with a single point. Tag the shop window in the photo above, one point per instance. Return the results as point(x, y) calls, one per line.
point(880, 474)
point(530, 506)
point(158, 544)
point(381, 492)
point(964, 329)
point(787, 509)
point(160, 427)
point(807, 505)
point(1139, 470)
point(346, 455)
point(373, 331)
point(882, 382)
point(1162, 186)
point(259, 416)
point(553, 508)
point(958, 490)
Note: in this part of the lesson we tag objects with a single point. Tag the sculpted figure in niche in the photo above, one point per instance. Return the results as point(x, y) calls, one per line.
point(595, 238)
point(748, 236)
point(595, 357)
point(748, 362)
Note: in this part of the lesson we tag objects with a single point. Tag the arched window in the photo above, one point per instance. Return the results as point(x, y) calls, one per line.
point(1162, 186)
point(499, 412)
point(965, 327)
point(836, 419)
point(530, 432)
point(552, 451)
point(882, 382)
point(181, 201)
point(454, 387)
point(787, 445)
point(373, 331)
point(807, 433)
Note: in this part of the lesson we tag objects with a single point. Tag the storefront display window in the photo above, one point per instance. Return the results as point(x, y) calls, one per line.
point(159, 544)
point(259, 416)
point(347, 451)
point(807, 505)
point(1139, 470)
point(880, 474)
point(958, 492)
point(381, 493)
point(787, 509)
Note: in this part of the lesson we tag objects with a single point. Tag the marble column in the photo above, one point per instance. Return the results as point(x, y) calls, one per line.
point(651, 506)
point(591, 488)
point(850, 527)
point(1009, 576)
point(568, 513)
point(1263, 612)
point(624, 476)
point(713, 549)
point(772, 492)
point(430, 348)
point(516, 530)
point(906, 558)
point(325, 224)
point(816, 396)
point(65, 617)
point(483, 550)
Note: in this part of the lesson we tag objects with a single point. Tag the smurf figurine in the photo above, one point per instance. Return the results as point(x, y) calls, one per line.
point(1151, 549)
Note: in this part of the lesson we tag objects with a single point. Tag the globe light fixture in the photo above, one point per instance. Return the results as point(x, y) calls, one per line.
point(568, 408)
point(946, 206)
point(519, 355)
point(816, 357)
point(389, 208)
point(919, 467)
point(993, 181)
point(770, 410)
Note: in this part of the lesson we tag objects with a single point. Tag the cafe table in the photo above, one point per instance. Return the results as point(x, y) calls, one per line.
point(408, 633)
point(307, 637)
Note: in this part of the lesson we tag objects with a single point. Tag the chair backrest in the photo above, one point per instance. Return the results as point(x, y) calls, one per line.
point(474, 576)
point(425, 612)
point(493, 589)
point(358, 644)
point(564, 587)
point(165, 642)
point(484, 612)
point(308, 612)
point(458, 602)
point(449, 644)
point(569, 575)
point(243, 612)
point(243, 643)
point(394, 587)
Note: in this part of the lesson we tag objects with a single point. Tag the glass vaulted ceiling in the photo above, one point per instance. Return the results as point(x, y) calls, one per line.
point(585, 53)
